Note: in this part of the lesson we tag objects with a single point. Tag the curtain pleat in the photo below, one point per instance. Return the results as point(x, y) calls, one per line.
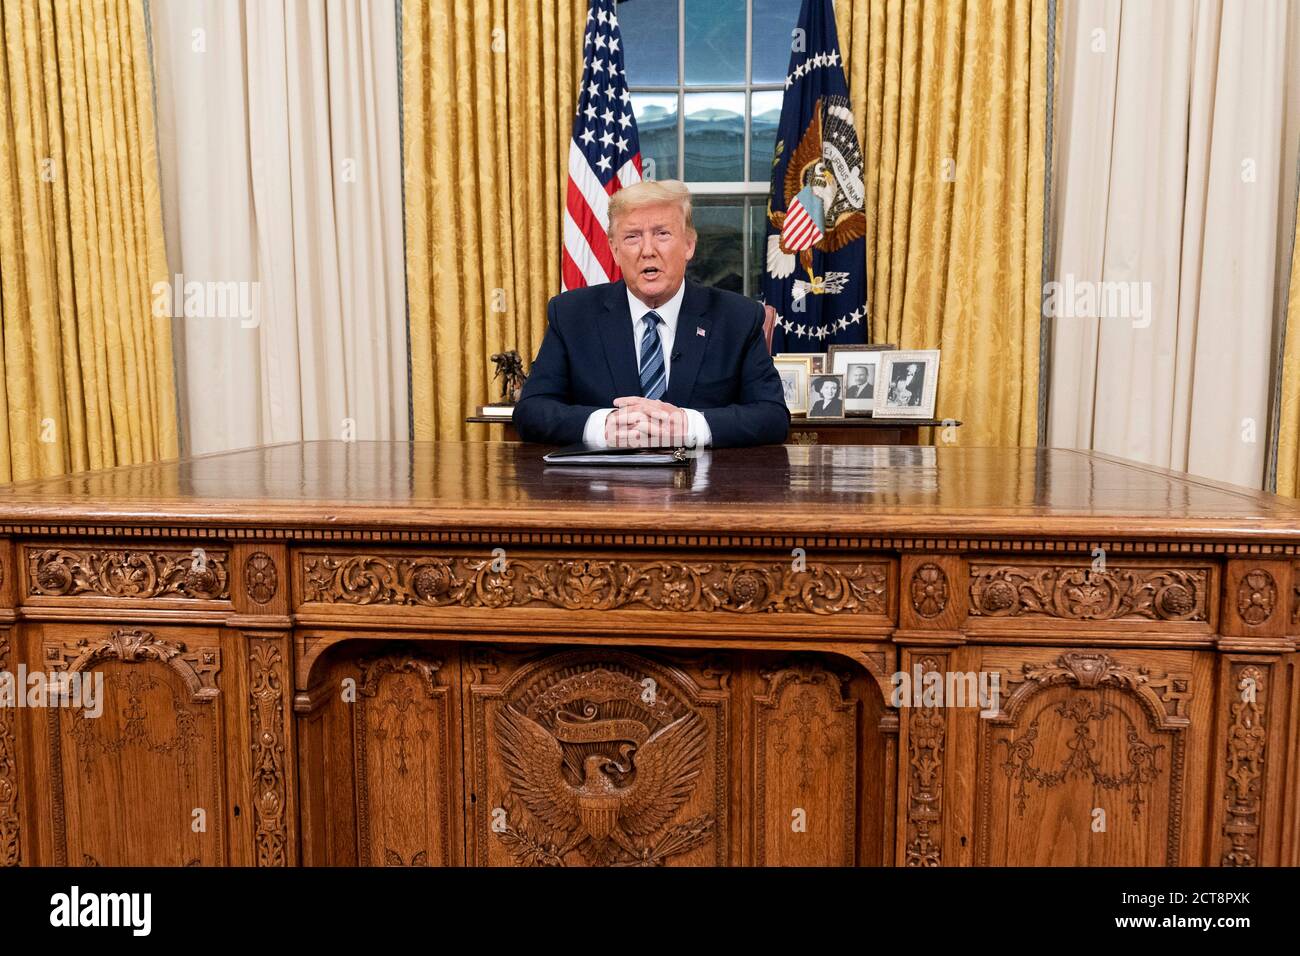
point(952, 100)
point(87, 366)
point(1179, 125)
point(1288, 456)
point(279, 130)
point(489, 91)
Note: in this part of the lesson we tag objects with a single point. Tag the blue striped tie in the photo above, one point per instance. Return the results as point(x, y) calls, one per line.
point(654, 377)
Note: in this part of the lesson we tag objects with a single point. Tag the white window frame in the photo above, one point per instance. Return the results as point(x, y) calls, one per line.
point(743, 192)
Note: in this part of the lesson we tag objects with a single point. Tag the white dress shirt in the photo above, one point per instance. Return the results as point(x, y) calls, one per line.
point(698, 433)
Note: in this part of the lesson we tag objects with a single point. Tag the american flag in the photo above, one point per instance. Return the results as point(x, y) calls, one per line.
point(604, 153)
point(802, 228)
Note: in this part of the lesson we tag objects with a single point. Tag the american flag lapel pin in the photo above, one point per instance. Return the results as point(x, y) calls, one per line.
point(699, 330)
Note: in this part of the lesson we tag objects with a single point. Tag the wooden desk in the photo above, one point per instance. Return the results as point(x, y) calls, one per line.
point(508, 435)
point(411, 654)
point(862, 431)
point(824, 431)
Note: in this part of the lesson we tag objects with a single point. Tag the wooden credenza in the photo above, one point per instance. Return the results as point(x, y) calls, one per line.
point(812, 431)
point(443, 654)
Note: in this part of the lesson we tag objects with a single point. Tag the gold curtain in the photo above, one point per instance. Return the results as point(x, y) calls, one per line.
point(489, 88)
point(87, 368)
point(951, 98)
point(1288, 443)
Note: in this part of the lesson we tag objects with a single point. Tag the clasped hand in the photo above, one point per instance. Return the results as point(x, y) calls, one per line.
point(638, 422)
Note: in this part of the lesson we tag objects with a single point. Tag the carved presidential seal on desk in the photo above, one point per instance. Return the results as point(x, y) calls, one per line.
point(601, 762)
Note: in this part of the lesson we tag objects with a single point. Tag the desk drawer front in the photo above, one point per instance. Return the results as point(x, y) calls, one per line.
point(1081, 597)
point(1088, 757)
point(1156, 593)
point(722, 585)
point(129, 574)
point(134, 775)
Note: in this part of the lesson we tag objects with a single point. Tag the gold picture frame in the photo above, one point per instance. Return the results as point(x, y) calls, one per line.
point(818, 359)
point(796, 372)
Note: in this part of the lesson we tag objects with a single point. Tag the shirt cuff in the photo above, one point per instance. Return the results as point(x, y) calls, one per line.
point(698, 433)
point(593, 433)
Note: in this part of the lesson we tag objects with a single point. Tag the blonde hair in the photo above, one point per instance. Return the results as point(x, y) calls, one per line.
point(650, 192)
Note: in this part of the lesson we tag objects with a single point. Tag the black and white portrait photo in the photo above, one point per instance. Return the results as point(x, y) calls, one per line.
point(906, 384)
point(861, 379)
point(860, 366)
point(826, 396)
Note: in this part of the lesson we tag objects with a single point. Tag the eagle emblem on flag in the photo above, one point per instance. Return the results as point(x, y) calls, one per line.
point(824, 199)
point(814, 250)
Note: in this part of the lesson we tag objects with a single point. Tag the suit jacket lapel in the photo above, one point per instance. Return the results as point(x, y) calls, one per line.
point(620, 345)
point(688, 345)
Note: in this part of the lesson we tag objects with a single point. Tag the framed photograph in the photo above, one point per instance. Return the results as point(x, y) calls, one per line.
point(795, 370)
point(818, 359)
point(859, 364)
point(906, 384)
point(826, 396)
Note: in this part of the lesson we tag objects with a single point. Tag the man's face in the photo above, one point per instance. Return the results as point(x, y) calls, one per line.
point(859, 376)
point(829, 388)
point(652, 246)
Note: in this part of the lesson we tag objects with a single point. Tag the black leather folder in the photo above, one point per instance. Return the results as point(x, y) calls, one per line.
point(619, 457)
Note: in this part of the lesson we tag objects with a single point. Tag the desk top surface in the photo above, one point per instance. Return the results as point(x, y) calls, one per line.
point(846, 489)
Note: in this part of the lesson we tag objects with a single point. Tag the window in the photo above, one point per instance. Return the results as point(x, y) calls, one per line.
point(707, 78)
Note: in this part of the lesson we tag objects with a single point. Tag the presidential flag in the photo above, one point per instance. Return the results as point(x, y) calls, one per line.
point(802, 228)
point(604, 153)
point(815, 264)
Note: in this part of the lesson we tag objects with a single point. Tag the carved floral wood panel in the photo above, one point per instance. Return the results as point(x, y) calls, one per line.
point(268, 676)
point(739, 587)
point(141, 784)
point(805, 774)
point(1085, 763)
point(402, 739)
point(927, 731)
point(1243, 794)
point(10, 854)
point(198, 573)
point(1085, 593)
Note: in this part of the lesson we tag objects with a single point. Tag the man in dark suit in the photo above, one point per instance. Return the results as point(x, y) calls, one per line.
point(653, 360)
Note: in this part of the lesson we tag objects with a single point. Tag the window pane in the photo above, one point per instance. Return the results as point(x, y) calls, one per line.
point(718, 250)
point(715, 137)
point(649, 29)
point(715, 41)
point(764, 118)
point(774, 21)
point(656, 125)
point(757, 244)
